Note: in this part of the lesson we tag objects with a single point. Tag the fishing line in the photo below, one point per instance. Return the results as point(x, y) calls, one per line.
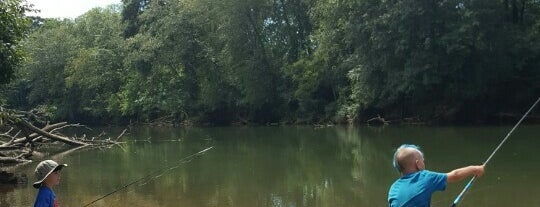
point(469, 184)
point(153, 175)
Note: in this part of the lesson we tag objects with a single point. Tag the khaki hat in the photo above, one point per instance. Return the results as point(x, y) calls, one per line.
point(44, 169)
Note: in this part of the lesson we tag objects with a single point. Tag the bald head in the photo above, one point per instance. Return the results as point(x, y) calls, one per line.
point(408, 158)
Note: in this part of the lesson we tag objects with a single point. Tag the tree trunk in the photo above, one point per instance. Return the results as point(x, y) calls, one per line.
point(25, 124)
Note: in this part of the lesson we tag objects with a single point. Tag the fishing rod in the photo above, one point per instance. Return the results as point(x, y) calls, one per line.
point(157, 172)
point(469, 184)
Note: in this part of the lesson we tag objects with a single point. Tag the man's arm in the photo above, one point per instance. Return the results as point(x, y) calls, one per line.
point(461, 173)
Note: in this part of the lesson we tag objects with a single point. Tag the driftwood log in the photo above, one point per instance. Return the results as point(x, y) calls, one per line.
point(377, 121)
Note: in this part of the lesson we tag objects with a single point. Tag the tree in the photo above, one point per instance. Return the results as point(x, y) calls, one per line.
point(264, 61)
point(130, 13)
point(14, 26)
point(440, 61)
point(95, 72)
point(165, 51)
point(49, 48)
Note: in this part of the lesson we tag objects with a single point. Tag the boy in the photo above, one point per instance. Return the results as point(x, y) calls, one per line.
point(416, 185)
point(48, 175)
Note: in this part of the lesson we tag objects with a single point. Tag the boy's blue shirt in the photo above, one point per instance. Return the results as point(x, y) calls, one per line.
point(45, 197)
point(415, 189)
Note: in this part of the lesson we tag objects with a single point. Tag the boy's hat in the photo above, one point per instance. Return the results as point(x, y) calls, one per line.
point(44, 169)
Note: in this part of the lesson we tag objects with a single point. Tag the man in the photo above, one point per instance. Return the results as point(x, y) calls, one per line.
point(416, 185)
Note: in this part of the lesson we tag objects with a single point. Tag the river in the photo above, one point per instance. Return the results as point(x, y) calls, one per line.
point(288, 166)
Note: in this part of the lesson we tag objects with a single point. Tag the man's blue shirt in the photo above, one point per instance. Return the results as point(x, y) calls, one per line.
point(45, 197)
point(415, 189)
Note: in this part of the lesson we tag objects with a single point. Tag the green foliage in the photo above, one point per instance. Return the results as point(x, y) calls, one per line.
point(96, 69)
point(49, 50)
point(74, 66)
point(153, 102)
point(130, 13)
point(437, 60)
point(14, 26)
point(163, 56)
point(284, 60)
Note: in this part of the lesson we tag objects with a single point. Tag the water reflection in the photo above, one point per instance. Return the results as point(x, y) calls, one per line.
point(285, 167)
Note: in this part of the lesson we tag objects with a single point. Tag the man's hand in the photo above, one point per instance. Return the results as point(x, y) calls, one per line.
point(479, 170)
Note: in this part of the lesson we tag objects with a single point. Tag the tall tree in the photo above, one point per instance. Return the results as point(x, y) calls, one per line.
point(14, 26)
point(96, 68)
point(251, 60)
point(130, 13)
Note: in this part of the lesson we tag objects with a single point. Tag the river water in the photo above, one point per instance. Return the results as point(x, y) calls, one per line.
point(289, 166)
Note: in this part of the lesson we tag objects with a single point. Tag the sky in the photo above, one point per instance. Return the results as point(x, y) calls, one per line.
point(66, 8)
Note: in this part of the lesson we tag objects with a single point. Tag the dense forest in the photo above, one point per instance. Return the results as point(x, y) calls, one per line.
point(275, 61)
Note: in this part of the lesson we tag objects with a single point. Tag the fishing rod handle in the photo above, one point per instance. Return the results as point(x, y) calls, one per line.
point(460, 196)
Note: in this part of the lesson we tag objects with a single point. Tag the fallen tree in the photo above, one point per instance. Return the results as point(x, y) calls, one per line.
point(377, 121)
point(20, 139)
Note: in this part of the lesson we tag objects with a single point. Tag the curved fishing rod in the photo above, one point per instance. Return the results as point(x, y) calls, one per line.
point(157, 172)
point(469, 184)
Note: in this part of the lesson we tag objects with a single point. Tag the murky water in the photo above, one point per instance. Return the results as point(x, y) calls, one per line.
point(288, 167)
